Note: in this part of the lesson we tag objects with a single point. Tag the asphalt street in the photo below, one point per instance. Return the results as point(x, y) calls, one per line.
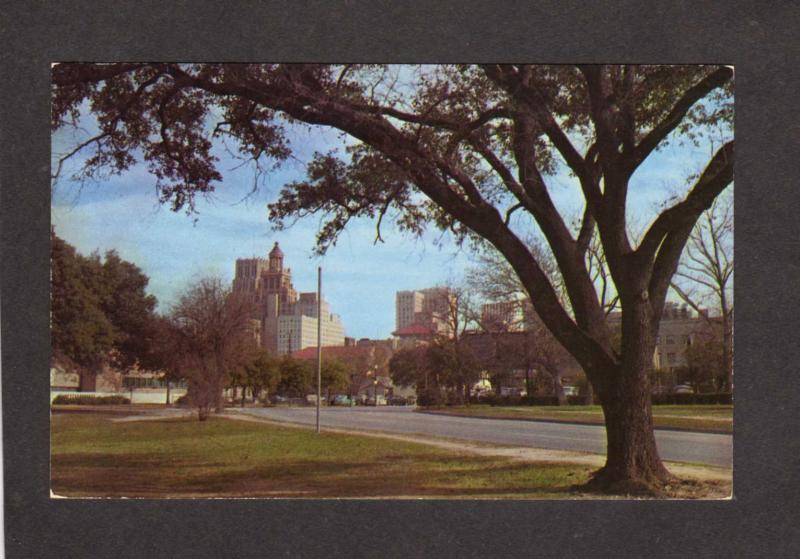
point(678, 446)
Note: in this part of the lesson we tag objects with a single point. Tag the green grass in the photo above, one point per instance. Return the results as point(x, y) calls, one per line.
point(93, 456)
point(698, 417)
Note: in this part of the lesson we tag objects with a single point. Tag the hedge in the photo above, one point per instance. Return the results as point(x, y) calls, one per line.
point(724, 398)
point(657, 399)
point(87, 400)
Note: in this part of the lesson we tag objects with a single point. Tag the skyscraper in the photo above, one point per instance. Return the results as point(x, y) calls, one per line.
point(426, 307)
point(288, 320)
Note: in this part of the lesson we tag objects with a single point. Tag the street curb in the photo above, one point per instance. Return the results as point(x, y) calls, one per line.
point(569, 422)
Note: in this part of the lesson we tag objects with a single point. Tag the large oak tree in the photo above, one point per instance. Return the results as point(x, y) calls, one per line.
point(101, 313)
point(465, 148)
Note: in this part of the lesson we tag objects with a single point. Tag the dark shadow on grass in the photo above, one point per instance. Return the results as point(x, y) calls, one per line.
point(427, 475)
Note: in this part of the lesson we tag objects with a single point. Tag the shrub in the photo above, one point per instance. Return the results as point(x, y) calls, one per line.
point(539, 401)
point(723, 398)
point(89, 400)
point(432, 397)
point(576, 400)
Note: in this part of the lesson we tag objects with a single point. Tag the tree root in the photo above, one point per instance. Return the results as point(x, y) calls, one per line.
point(649, 484)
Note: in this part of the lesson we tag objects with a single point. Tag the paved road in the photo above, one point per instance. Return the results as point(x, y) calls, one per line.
point(678, 446)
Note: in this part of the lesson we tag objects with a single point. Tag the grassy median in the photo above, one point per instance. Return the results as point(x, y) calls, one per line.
point(95, 456)
point(696, 417)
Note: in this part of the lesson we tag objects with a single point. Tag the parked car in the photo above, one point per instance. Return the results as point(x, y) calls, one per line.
point(380, 401)
point(411, 400)
point(683, 389)
point(341, 400)
point(397, 401)
point(277, 399)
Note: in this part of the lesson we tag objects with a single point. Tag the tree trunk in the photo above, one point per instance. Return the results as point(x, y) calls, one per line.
point(589, 397)
point(528, 388)
point(632, 461)
point(558, 388)
point(727, 352)
point(633, 465)
point(168, 392)
point(87, 380)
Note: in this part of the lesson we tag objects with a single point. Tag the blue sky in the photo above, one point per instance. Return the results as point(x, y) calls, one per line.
point(360, 278)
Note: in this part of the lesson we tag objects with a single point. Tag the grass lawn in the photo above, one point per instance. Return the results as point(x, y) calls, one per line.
point(93, 456)
point(698, 417)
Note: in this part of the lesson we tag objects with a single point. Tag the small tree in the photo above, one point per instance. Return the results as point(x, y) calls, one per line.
point(705, 278)
point(335, 376)
point(213, 338)
point(295, 377)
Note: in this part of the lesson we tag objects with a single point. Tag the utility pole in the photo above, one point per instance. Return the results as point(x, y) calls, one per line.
point(319, 341)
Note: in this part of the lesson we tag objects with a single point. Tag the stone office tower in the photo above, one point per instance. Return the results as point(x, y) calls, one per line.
point(288, 321)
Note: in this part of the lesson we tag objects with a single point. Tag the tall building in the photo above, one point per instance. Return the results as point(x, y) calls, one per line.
point(288, 320)
point(425, 307)
point(507, 316)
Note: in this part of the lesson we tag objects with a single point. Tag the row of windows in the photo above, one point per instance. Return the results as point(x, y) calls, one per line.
point(670, 340)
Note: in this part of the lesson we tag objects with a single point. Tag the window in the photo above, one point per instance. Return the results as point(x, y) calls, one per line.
point(670, 340)
point(671, 357)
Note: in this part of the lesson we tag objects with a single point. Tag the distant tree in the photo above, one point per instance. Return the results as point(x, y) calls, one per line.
point(260, 373)
point(705, 278)
point(455, 313)
point(437, 371)
point(408, 367)
point(335, 376)
point(213, 339)
point(461, 147)
point(161, 341)
point(705, 358)
point(128, 306)
point(100, 311)
point(296, 377)
point(532, 346)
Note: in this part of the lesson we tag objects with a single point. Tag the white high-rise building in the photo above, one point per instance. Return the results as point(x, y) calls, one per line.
point(427, 307)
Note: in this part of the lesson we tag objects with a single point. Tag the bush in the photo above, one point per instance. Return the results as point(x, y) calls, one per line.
point(182, 401)
point(723, 398)
point(539, 401)
point(576, 400)
point(432, 397)
point(88, 400)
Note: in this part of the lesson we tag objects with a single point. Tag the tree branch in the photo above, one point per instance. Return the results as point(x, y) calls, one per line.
point(714, 80)
point(717, 175)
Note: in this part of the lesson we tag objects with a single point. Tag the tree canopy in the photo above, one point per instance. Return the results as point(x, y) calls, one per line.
point(100, 310)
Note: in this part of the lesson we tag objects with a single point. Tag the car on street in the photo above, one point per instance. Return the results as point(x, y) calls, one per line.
point(341, 400)
point(376, 401)
point(683, 389)
point(397, 401)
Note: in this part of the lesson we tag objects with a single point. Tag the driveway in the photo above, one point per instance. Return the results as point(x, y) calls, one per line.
point(676, 446)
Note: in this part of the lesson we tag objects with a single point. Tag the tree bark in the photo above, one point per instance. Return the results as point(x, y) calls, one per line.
point(632, 461)
point(589, 397)
point(87, 380)
point(727, 349)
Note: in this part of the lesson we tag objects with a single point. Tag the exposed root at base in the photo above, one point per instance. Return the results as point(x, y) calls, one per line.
point(670, 487)
point(649, 485)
